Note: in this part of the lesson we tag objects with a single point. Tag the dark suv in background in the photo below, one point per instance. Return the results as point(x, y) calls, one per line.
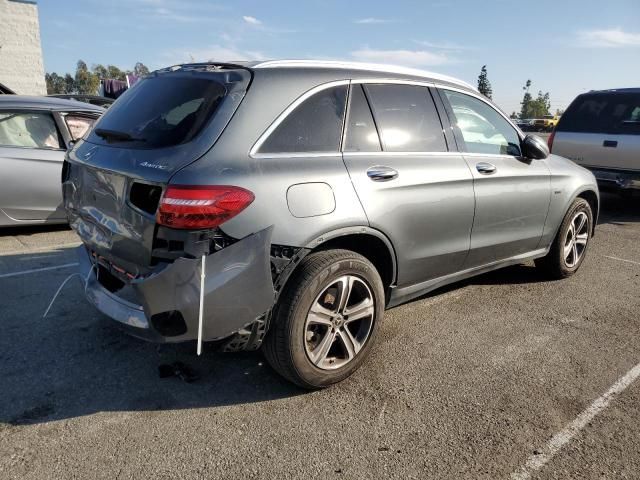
point(286, 204)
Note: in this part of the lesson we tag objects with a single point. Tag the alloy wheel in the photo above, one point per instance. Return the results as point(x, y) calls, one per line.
point(339, 322)
point(576, 239)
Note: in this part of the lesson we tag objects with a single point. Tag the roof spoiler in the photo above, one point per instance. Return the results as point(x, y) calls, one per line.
point(203, 67)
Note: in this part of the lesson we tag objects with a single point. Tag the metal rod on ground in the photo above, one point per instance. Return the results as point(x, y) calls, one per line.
point(201, 305)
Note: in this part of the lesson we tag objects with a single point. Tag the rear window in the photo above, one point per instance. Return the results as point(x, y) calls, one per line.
point(160, 112)
point(611, 113)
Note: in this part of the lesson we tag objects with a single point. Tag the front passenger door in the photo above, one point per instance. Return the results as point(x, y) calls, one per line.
point(512, 193)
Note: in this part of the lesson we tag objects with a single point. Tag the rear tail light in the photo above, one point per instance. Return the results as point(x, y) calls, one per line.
point(550, 139)
point(196, 207)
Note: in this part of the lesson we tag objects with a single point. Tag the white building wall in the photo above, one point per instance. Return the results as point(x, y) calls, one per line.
point(21, 65)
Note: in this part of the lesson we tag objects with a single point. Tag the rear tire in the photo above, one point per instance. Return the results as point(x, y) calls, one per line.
point(327, 318)
point(570, 245)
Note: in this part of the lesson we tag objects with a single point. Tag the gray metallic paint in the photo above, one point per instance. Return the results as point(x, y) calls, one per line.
point(511, 207)
point(440, 221)
point(426, 212)
point(238, 289)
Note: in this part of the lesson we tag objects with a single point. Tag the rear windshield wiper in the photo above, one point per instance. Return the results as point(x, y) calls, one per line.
point(116, 136)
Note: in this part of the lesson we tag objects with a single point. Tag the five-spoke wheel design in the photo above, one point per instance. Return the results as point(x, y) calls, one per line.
point(576, 239)
point(339, 322)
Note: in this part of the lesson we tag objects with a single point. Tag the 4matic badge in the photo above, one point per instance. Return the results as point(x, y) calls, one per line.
point(154, 165)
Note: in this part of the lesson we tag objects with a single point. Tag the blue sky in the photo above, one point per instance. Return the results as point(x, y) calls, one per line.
point(564, 46)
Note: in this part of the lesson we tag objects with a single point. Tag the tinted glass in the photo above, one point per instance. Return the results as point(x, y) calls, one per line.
point(482, 128)
point(361, 135)
point(314, 126)
point(603, 113)
point(162, 111)
point(34, 130)
point(406, 118)
point(78, 125)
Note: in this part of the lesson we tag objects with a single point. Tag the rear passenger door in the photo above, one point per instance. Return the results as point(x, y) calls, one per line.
point(31, 155)
point(412, 187)
point(512, 193)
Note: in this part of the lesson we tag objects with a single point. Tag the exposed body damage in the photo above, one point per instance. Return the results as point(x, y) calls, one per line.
point(238, 290)
point(243, 170)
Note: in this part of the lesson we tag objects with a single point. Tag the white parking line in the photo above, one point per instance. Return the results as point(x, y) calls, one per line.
point(36, 270)
point(621, 260)
point(560, 439)
point(39, 249)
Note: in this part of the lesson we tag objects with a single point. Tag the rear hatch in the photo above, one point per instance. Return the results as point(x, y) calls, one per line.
point(601, 130)
point(113, 179)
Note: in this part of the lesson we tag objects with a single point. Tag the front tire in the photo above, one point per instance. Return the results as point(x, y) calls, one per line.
point(570, 245)
point(326, 320)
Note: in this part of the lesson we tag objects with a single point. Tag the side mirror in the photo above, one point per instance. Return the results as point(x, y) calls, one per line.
point(534, 147)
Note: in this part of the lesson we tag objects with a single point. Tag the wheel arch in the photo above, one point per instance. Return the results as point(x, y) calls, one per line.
point(594, 202)
point(368, 242)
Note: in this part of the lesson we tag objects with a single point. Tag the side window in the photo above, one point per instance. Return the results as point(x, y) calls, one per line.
point(406, 117)
point(628, 120)
point(78, 125)
point(28, 129)
point(483, 129)
point(361, 135)
point(603, 112)
point(314, 126)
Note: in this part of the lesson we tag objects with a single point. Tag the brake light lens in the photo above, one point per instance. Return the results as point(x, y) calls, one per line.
point(550, 139)
point(196, 207)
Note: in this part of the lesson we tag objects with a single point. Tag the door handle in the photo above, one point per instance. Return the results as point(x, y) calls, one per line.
point(486, 168)
point(382, 173)
point(610, 143)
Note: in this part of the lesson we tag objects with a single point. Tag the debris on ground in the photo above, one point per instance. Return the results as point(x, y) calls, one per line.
point(178, 369)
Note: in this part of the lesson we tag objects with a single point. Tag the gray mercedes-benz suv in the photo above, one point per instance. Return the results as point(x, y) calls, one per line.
point(286, 204)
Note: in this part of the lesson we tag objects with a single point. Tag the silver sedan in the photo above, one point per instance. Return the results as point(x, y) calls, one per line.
point(35, 133)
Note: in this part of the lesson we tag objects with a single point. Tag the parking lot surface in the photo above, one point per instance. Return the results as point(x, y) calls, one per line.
point(507, 375)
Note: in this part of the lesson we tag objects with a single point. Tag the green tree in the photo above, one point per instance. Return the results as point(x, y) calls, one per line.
point(534, 108)
point(140, 69)
point(540, 106)
point(525, 111)
point(86, 81)
point(55, 83)
point(513, 115)
point(101, 71)
point(69, 84)
point(484, 85)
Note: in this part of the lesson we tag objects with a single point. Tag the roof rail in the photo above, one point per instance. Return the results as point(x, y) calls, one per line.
point(360, 66)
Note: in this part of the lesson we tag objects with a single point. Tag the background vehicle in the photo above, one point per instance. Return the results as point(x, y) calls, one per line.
point(601, 131)
point(312, 195)
point(35, 133)
point(525, 124)
point(546, 123)
point(103, 102)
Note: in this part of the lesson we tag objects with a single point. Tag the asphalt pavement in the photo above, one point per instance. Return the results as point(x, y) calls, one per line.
point(507, 375)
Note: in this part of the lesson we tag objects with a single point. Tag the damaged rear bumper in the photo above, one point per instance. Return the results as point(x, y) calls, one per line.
point(164, 306)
